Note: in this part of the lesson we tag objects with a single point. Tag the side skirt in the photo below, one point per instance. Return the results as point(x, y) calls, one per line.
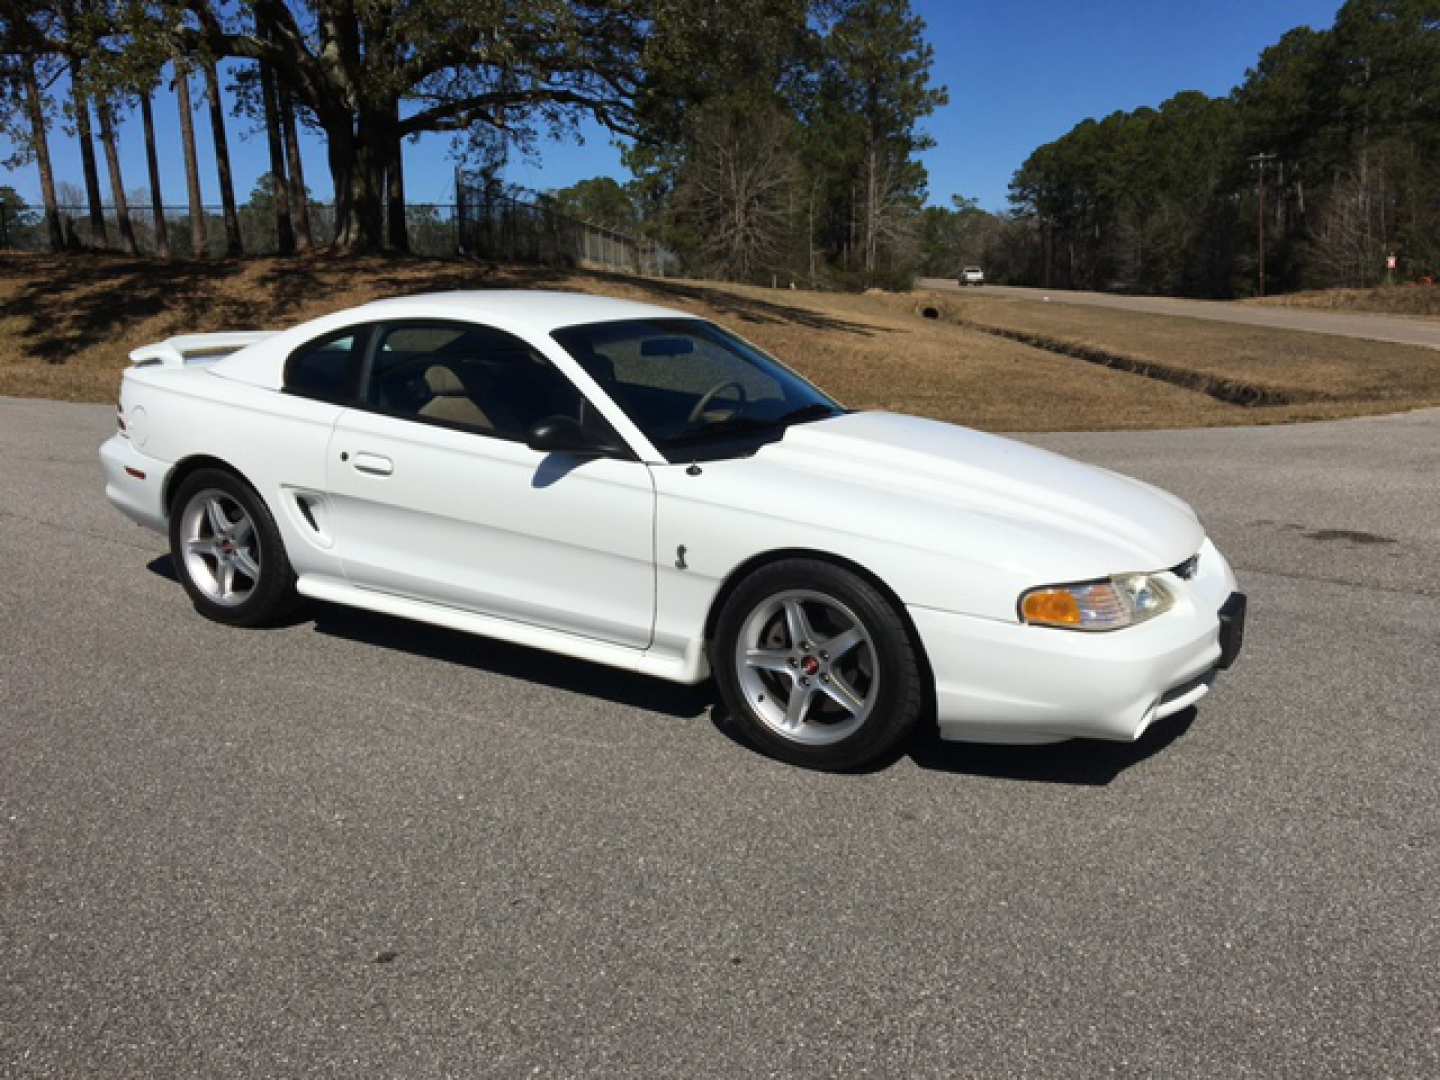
point(674, 667)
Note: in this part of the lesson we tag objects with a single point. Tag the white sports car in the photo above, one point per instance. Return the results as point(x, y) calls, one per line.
point(641, 488)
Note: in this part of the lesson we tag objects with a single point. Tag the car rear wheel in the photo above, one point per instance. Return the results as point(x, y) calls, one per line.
point(816, 665)
point(227, 551)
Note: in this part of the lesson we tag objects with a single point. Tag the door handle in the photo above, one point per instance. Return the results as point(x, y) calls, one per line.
point(374, 464)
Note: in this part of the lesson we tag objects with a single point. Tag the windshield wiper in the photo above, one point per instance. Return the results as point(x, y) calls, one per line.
point(741, 425)
point(816, 410)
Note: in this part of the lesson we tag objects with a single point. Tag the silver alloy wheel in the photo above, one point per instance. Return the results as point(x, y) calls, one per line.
point(807, 666)
point(220, 547)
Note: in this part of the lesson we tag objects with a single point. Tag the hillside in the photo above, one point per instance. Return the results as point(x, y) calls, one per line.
point(68, 323)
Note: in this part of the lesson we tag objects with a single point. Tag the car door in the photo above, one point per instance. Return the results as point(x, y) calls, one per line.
point(437, 497)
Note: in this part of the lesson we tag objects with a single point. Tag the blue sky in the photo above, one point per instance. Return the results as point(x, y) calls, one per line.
point(1020, 74)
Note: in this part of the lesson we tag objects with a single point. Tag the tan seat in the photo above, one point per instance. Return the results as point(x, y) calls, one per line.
point(450, 401)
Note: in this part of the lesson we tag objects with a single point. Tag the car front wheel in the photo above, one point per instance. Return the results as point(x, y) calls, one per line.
point(817, 666)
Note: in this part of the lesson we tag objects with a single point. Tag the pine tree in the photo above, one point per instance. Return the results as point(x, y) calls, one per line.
point(152, 164)
point(199, 247)
point(233, 245)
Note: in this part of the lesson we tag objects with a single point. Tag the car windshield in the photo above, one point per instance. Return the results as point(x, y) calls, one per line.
point(695, 391)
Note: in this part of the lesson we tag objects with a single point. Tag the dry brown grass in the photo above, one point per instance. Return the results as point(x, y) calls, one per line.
point(66, 326)
point(1421, 300)
point(1310, 375)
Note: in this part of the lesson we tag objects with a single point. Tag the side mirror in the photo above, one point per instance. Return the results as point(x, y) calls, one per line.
point(562, 435)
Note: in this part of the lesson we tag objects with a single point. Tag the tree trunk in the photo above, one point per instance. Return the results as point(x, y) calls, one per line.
point(359, 176)
point(152, 162)
point(872, 209)
point(40, 141)
point(198, 245)
point(396, 232)
point(284, 228)
point(299, 202)
point(233, 244)
point(117, 182)
point(81, 104)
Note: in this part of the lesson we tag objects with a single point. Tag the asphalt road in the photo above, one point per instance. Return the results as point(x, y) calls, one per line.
point(356, 847)
point(1398, 329)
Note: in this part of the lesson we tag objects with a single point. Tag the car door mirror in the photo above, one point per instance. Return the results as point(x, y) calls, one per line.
point(561, 435)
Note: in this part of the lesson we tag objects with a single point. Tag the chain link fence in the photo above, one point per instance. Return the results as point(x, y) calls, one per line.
point(504, 226)
point(486, 222)
point(433, 229)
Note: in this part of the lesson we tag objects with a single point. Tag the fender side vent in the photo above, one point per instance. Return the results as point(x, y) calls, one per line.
point(304, 505)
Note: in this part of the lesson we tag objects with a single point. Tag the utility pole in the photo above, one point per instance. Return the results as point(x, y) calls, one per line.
point(1260, 162)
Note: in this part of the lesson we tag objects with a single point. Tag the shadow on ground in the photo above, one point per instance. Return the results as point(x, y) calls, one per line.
point(1081, 762)
point(513, 661)
point(1078, 762)
point(749, 309)
point(489, 655)
point(65, 304)
point(398, 277)
point(83, 299)
point(1084, 762)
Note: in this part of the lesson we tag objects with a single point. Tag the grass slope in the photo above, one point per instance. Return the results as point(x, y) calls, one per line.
point(1421, 300)
point(1293, 375)
point(66, 325)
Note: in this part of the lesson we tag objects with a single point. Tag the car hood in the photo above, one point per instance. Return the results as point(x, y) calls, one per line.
point(1097, 522)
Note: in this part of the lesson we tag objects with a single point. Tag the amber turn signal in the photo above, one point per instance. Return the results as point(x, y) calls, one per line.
point(1056, 607)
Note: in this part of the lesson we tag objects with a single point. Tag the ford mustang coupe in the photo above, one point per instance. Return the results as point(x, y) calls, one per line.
point(634, 486)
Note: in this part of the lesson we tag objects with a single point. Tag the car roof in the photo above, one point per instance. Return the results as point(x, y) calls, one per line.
point(537, 310)
point(531, 313)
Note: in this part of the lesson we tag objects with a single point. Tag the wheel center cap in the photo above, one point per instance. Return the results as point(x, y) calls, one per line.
point(809, 665)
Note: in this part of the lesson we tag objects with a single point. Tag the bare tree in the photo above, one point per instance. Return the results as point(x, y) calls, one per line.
point(117, 182)
point(233, 245)
point(198, 244)
point(734, 192)
point(888, 213)
point(80, 107)
point(1353, 235)
point(152, 163)
point(40, 146)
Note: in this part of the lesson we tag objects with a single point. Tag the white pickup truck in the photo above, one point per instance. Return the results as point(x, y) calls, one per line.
point(972, 275)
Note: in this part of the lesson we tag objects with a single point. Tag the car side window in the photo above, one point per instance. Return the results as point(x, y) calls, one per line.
point(470, 377)
point(327, 369)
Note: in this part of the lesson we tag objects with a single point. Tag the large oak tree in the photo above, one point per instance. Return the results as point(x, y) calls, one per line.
point(372, 73)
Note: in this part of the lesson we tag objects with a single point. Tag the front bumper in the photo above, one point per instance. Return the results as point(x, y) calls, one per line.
point(134, 483)
point(1012, 683)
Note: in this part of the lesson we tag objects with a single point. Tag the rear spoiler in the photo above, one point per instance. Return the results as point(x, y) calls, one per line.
point(195, 348)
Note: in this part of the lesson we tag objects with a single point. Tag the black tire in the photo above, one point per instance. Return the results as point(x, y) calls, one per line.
point(270, 597)
point(898, 689)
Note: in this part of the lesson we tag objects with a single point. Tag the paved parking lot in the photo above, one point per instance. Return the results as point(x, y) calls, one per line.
point(358, 847)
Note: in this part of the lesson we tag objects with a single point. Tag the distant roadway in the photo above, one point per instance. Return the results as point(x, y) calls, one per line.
point(1399, 329)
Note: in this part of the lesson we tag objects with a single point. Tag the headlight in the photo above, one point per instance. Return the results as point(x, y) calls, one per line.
point(1123, 600)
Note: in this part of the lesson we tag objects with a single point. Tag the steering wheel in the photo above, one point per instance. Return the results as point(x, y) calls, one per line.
point(724, 384)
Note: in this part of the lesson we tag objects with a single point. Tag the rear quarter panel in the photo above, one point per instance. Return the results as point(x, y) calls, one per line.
point(276, 441)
